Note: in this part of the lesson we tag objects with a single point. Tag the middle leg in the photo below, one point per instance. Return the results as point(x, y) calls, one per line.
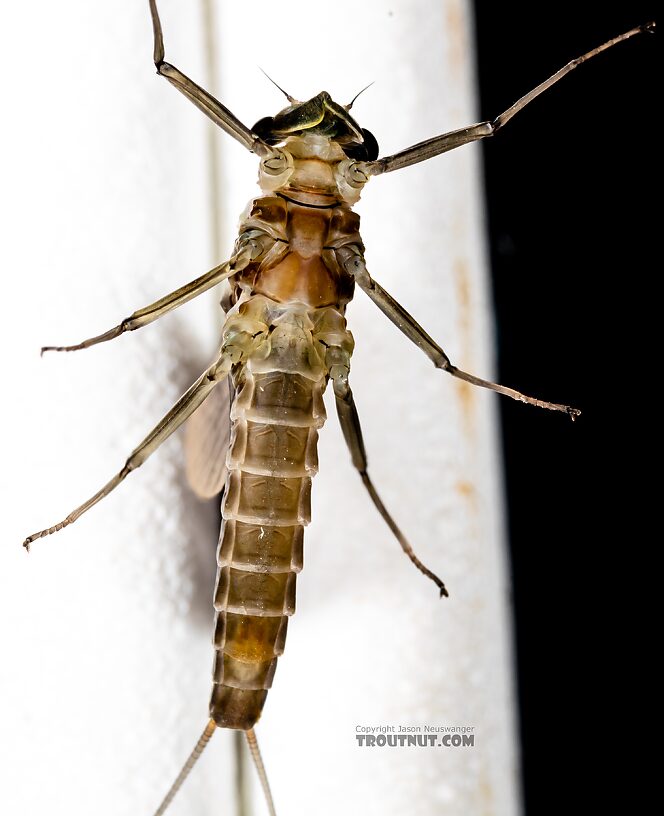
point(351, 259)
point(251, 246)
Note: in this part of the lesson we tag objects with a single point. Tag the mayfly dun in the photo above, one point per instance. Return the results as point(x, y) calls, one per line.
point(292, 271)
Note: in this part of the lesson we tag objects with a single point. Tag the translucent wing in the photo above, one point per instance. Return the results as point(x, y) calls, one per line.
point(206, 442)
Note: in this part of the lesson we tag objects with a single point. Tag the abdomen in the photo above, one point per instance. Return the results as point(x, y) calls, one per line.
point(272, 459)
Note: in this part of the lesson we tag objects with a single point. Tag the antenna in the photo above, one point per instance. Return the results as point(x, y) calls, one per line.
point(290, 98)
point(352, 102)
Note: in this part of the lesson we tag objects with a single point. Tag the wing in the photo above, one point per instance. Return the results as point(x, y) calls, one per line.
point(206, 442)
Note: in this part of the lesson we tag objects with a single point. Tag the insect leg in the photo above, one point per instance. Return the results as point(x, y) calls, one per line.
point(183, 408)
point(186, 768)
point(254, 245)
point(449, 141)
point(350, 425)
point(352, 260)
point(204, 101)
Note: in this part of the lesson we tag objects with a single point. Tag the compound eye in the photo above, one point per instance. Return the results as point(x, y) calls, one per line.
point(263, 129)
point(367, 151)
point(370, 145)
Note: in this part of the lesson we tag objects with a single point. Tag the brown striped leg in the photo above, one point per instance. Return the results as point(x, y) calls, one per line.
point(204, 101)
point(251, 250)
point(182, 409)
point(449, 141)
point(350, 425)
point(352, 260)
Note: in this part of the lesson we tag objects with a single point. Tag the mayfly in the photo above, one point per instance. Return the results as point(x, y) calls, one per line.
point(293, 270)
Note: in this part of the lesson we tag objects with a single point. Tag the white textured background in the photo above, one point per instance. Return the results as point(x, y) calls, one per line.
point(105, 628)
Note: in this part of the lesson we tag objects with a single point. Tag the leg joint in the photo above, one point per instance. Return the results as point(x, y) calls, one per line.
point(442, 361)
point(131, 464)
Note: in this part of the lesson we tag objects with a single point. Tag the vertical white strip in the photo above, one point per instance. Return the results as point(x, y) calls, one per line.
point(109, 622)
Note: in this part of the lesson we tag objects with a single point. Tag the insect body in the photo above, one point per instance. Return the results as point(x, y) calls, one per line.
point(297, 259)
point(290, 346)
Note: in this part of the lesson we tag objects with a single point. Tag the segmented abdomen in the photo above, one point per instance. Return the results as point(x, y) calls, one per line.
point(266, 506)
